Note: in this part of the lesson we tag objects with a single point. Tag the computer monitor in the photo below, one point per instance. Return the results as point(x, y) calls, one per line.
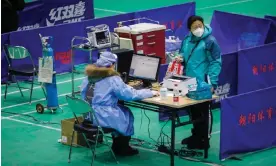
point(125, 43)
point(145, 68)
point(124, 61)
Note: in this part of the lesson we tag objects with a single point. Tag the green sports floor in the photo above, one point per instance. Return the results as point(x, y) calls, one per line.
point(25, 141)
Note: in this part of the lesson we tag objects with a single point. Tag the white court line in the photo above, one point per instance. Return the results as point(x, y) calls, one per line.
point(62, 82)
point(208, 7)
point(112, 11)
point(225, 4)
point(57, 129)
point(59, 74)
point(165, 154)
point(213, 133)
point(33, 124)
point(261, 160)
point(8, 118)
point(26, 113)
point(155, 151)
point(34, 101)
point(216, 132)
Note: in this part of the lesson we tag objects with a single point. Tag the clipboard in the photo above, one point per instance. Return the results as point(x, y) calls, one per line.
point(45, 70)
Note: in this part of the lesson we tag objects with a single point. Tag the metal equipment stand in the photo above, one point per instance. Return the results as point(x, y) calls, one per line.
point(85, 45)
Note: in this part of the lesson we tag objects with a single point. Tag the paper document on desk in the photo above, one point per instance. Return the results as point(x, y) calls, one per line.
point(45, 70)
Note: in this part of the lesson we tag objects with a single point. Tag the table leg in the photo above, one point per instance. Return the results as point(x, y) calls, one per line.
point(206, 132)
point(172, 138)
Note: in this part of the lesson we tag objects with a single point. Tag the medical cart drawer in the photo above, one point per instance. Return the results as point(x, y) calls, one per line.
point(153, 49)
point(147, 39)
point(149, 36)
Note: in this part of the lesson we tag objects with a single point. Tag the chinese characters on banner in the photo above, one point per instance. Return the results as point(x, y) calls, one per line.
point(257, 117)
point(172, 20)
point(67, 14)
point(222, 91)
point(174, 24)
point(263, 68)
point(63, 57)
point(28, 27)
point(247, 40)
point(250, 32)
point(244, 115)
point(61, 44)
point(228, 79)
point(256, 68)
point(50, 12)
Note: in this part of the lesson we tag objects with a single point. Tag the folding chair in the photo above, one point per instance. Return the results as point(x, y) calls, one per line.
point(79, 106)
point(14, 53)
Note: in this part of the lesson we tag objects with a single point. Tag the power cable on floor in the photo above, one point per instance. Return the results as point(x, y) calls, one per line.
point(30, 116)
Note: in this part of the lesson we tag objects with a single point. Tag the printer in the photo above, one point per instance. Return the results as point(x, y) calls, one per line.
point(184, 83)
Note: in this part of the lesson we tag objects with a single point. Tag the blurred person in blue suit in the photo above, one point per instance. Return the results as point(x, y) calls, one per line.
point(102, 89)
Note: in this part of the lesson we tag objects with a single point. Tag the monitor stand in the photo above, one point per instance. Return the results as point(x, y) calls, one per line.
point(146, 84)
point(125, 77)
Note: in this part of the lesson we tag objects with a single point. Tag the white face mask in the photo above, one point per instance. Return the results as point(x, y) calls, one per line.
point(198, 32)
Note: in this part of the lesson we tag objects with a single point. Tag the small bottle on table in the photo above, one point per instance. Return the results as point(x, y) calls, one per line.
point(175, 94)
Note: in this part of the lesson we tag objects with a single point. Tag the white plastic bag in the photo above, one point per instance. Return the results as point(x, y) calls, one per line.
point(174, 68)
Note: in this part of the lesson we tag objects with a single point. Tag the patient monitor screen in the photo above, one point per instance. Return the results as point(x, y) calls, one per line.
point(100, 36)
point(144, 67)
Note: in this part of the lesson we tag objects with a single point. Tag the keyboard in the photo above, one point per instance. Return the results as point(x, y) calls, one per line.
point(138, 87)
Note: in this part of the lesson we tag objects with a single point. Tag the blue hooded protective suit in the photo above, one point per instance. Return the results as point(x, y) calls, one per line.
point(109, 88)
point(205, 59)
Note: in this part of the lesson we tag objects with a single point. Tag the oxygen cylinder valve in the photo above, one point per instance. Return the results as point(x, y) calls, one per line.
point(46, 41)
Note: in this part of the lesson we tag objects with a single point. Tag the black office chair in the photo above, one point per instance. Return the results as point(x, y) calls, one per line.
point(79, 106)
point(17, 53)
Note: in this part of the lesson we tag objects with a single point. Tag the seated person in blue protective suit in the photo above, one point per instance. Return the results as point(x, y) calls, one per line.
point(201, 57)
point(108, 89)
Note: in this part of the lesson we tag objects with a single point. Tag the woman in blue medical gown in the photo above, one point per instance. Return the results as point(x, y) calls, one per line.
point(108, 89)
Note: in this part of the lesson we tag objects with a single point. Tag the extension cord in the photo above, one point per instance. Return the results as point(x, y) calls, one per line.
point(189, 153)
point(164, 149)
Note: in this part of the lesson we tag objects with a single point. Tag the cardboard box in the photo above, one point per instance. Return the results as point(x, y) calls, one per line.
point(67, 131)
